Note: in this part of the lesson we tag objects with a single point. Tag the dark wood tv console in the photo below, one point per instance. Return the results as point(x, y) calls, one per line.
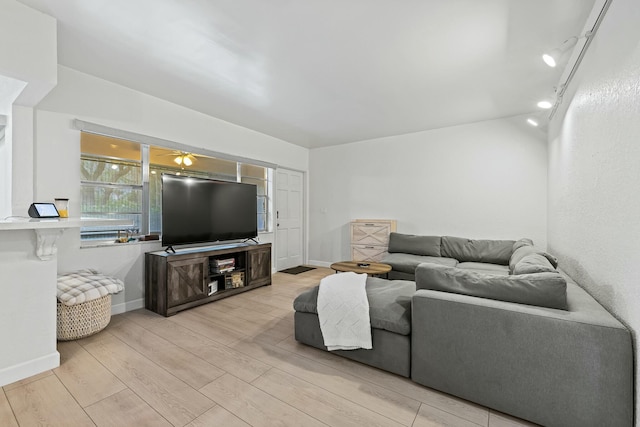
point(195, 276)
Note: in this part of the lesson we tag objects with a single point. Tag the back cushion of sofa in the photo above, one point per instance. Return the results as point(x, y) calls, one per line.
point(466, 250)
point(417, 245)
point(519, 254)
point(525, 251)
point(541, 289)
point(533, 263)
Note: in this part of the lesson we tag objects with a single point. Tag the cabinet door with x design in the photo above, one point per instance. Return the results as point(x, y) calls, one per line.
point(187, 280)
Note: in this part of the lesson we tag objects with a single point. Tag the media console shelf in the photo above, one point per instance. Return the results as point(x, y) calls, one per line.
point(195, 276)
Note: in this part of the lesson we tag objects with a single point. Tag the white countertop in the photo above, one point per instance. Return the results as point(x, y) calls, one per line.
point(44, 223)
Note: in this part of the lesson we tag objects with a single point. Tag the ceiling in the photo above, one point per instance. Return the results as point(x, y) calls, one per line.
point(324, 72)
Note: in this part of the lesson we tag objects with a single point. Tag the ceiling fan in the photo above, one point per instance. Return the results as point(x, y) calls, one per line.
point(183, 158)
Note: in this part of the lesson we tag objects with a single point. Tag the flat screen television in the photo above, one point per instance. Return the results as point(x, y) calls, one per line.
point(196, 210)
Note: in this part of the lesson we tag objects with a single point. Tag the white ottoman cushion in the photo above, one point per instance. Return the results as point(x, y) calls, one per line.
point(86, 285)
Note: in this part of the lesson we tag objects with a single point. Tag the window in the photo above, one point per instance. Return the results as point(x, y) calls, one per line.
point(262, 178)
point(113, 183)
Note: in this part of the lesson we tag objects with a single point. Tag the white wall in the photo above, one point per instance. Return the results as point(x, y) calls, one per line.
point(5, 166)
point(29, 50)
point(28, 58)
point(594, 169)
point(479, 180)
point(22, 160)
point(27, 308)
point(9, 91)
point(57, 159)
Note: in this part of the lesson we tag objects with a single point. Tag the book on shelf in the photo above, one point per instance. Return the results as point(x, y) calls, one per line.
point(228, 283)
point(221, 266)
point(213, 287)
point(224, 262)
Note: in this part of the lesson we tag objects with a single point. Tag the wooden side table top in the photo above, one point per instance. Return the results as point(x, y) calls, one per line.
point(374, 268)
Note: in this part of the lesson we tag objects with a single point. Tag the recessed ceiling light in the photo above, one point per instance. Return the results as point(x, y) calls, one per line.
point(532, 121)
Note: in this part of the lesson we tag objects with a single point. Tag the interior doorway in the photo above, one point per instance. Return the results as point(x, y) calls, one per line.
point(289, 218)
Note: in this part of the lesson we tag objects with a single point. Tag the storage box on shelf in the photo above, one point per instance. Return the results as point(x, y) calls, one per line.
point(370, 238)
point(175, 282)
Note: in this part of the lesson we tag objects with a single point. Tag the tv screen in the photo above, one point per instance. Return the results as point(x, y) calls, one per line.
point(196, 210)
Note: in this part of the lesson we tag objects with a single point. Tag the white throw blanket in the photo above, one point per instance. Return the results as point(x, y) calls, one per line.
point(343, 310)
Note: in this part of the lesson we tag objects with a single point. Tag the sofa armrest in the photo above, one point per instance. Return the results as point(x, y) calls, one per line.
point(552, 367)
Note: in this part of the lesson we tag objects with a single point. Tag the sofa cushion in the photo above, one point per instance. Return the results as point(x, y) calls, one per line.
point(407, 263)
point(484, 267)
point(464, 250)
point(533, 263)
point(541, 289)
point(552, 259)
point(389, 303)
point(522, 242)
point(417, 245)
point(86, 285)
point(520, 253)
point(526, 250)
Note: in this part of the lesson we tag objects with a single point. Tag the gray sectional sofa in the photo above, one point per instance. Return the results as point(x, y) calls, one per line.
point(496, 323)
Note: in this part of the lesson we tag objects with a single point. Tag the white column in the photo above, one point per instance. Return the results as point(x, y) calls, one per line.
point(22, 194)
point(27, 308)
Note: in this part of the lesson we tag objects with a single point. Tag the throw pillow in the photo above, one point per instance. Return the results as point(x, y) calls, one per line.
point(519, 254)
point(533, 263)
point(522, 242)
point(526, 250)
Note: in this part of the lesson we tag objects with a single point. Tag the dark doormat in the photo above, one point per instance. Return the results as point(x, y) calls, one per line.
point(297, 270)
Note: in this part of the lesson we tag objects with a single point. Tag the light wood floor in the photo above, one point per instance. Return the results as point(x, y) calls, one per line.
point(233, 362)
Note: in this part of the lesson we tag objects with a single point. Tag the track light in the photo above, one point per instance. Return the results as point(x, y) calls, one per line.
point(552, 58)
point(545, 104)
point(538, 120)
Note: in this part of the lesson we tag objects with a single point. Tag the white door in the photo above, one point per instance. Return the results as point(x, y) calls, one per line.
point(289, 219)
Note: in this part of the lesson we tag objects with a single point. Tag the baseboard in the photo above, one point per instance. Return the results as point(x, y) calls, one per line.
point(319, 263)
point(28, 369)
point(127, 306)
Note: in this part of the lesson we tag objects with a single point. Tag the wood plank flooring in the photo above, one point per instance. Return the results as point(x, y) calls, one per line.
point(233, 362)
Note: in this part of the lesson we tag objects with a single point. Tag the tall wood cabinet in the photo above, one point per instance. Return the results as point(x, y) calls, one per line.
point(191, 277)
point(370, 238)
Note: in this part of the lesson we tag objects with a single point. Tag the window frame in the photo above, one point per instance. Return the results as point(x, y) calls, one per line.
point(89, 233)
point(146, 168)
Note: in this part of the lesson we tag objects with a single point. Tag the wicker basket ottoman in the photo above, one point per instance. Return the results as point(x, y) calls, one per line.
point(84, 303)
point(81, 320)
